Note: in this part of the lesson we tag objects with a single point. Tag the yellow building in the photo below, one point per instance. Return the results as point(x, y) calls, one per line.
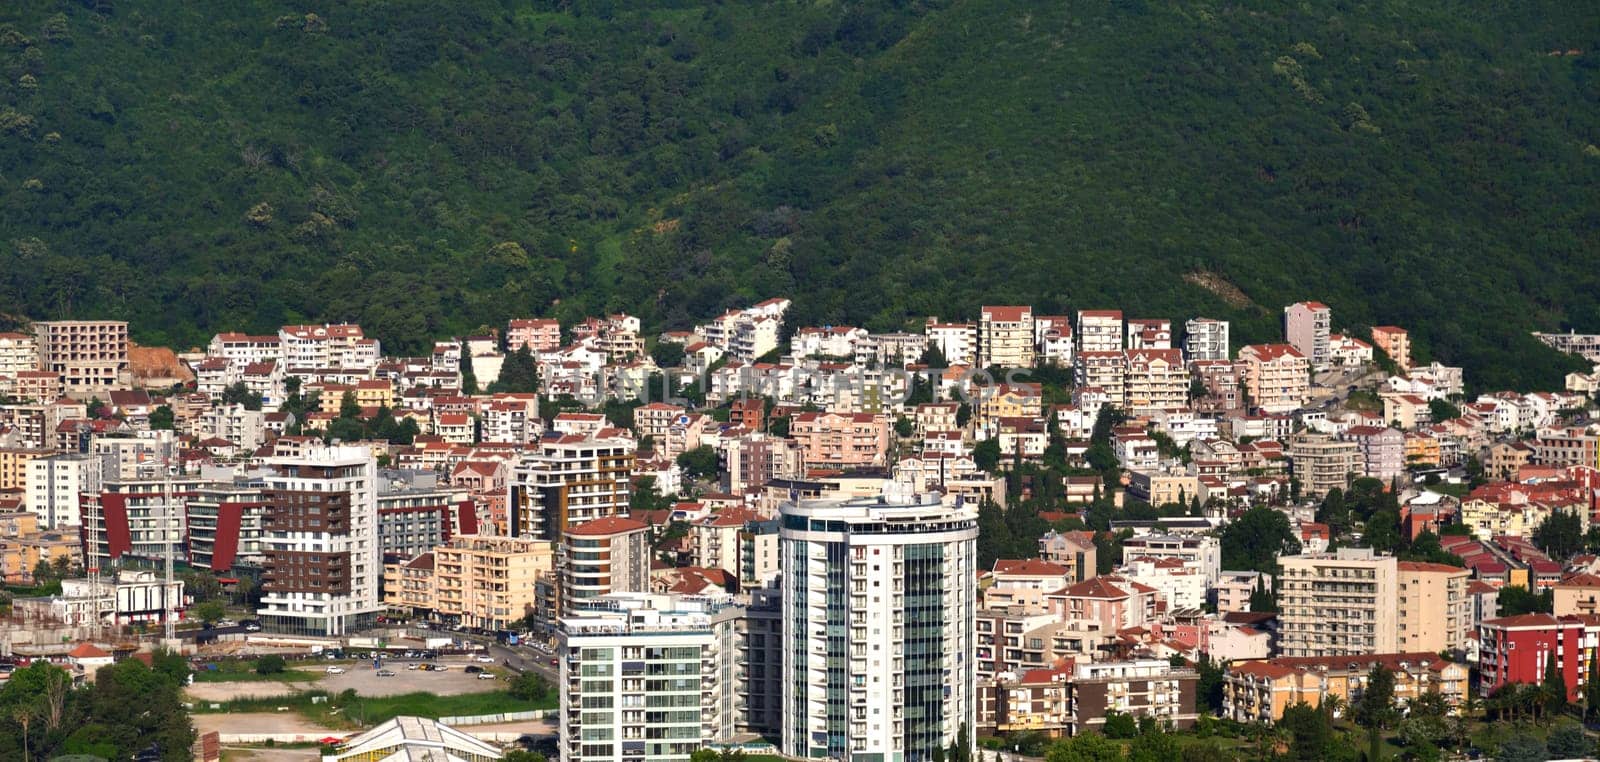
point(375, 392)
point(1577, 594)
point(1010, 401)
point(23, 546)
point(14, 466)
point(1421, 448)
point(1435, 611)
point(1259, 691)
point(490, 582)
point(409, 586)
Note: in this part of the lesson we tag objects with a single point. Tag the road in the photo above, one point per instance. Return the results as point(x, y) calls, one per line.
point(520, 658)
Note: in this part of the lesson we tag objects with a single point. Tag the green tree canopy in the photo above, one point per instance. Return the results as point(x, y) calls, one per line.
point(1256, 538)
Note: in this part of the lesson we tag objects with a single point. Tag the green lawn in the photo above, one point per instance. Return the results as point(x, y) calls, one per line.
point(245, 672)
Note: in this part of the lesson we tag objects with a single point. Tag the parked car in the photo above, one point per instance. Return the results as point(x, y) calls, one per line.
point(413, 665)
point(554, 662)
point(485, 675)
point(474, 668)
point(251, 627)
point(335, 669)
point(386, 673)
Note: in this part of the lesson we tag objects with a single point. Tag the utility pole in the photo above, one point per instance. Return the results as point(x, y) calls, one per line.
point(169, 607)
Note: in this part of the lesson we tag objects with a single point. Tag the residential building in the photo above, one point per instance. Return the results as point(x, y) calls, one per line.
point(1156, 380)
point(624, 654)
point(1395, 342)
point(1383, 450)
point(1099, 331)
point(1005, 337)
point(1203, 551)
point(1106, 371)
point(1232, 591)
point(1577, 594)
point(130, 596)
point(18, 352)
point(1206, 340)
point(1517, 649)
point(1143, 688)
point(878, 626)
point(411, 587)
point(1307, 326)
point(14, 466)
point(750, 461)
point(1321, 463)
point(322, 562)
point(537, 334)
point(1159, 488)
point(841, 440)
point(1149, 334)
point(1338, 604)
point(1052, 340)
point(1260, 691)
point(1435, 610)
point(1277, 377)
point(602, 556)
point(224, 525)
point(90, 356)
point(342, 346)
point(567, 479)
point(1074, 551)
point(484, 582)
point(55, 484)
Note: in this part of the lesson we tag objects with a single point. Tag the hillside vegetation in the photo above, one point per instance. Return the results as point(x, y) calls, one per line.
point(432, 167)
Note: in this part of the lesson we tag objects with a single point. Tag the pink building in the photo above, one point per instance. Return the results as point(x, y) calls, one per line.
point(538, 334)
point(842, 440)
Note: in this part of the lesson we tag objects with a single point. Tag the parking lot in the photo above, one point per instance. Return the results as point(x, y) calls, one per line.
point(363, 678)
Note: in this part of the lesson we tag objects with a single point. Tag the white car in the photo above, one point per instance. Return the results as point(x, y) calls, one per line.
point(485, 676)
point(335, 670)
point(483, 659)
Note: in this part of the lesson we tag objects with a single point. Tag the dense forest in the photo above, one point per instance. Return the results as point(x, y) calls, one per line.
point(428, 167)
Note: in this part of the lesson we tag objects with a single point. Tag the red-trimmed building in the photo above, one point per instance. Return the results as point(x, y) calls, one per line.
point(1516, 649)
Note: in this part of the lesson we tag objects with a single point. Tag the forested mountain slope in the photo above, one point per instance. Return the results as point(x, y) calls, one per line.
point(429, 167)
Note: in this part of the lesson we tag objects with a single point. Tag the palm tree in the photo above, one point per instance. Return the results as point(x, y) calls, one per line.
point(1336, 707)
point(22, 714)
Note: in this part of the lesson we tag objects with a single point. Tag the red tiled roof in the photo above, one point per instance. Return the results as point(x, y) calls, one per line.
point(606, 526)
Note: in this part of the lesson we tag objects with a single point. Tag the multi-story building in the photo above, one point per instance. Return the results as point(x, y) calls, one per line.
point(1005, 337)
point(752, 460)
point(1517, 649)
point(1075, 551)
point(1395, 342)
point(878, 626)
point(415, 514)
point(135, 521)
point(1099, 331)
point(1105, 370)
point(649, 677)
point(410, 587)
point(567, 479)
point(1321, 463)
point(958, 342)
point(538, 335)
point(1149, 333)
point(1260, 691)
point(321, 557)
point(55, 484)
point(1435, 610)
point(1052, 339)
point(841, 440)
point(483, 582)
point(1205, 340)
point(1308, 327)
point(90, 356)
point(224, 526)
point(343, 345)
point(1156, 380)
point(14, 466)
point(1204, 551)
point(1144, 688)
point(1338, 604)
point(603, 556)
point(1277, 377)
point(18, 352)
point(1383, 450)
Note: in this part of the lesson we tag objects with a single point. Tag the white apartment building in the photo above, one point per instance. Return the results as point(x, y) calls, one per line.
point(1149, 333)
point(55, 484)
point(18, 352)
point(1052, 339)
point(1099, 331)
point(1105, 370)
point(567, 479)
point(958, 342)
point(648, 676)
point(1203, 551)
point(340, 345)
point(879, 626)
point(1205, 339)
point(241, 349)
point(322, 560)
point(1338, 604)
point(1005, 337)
